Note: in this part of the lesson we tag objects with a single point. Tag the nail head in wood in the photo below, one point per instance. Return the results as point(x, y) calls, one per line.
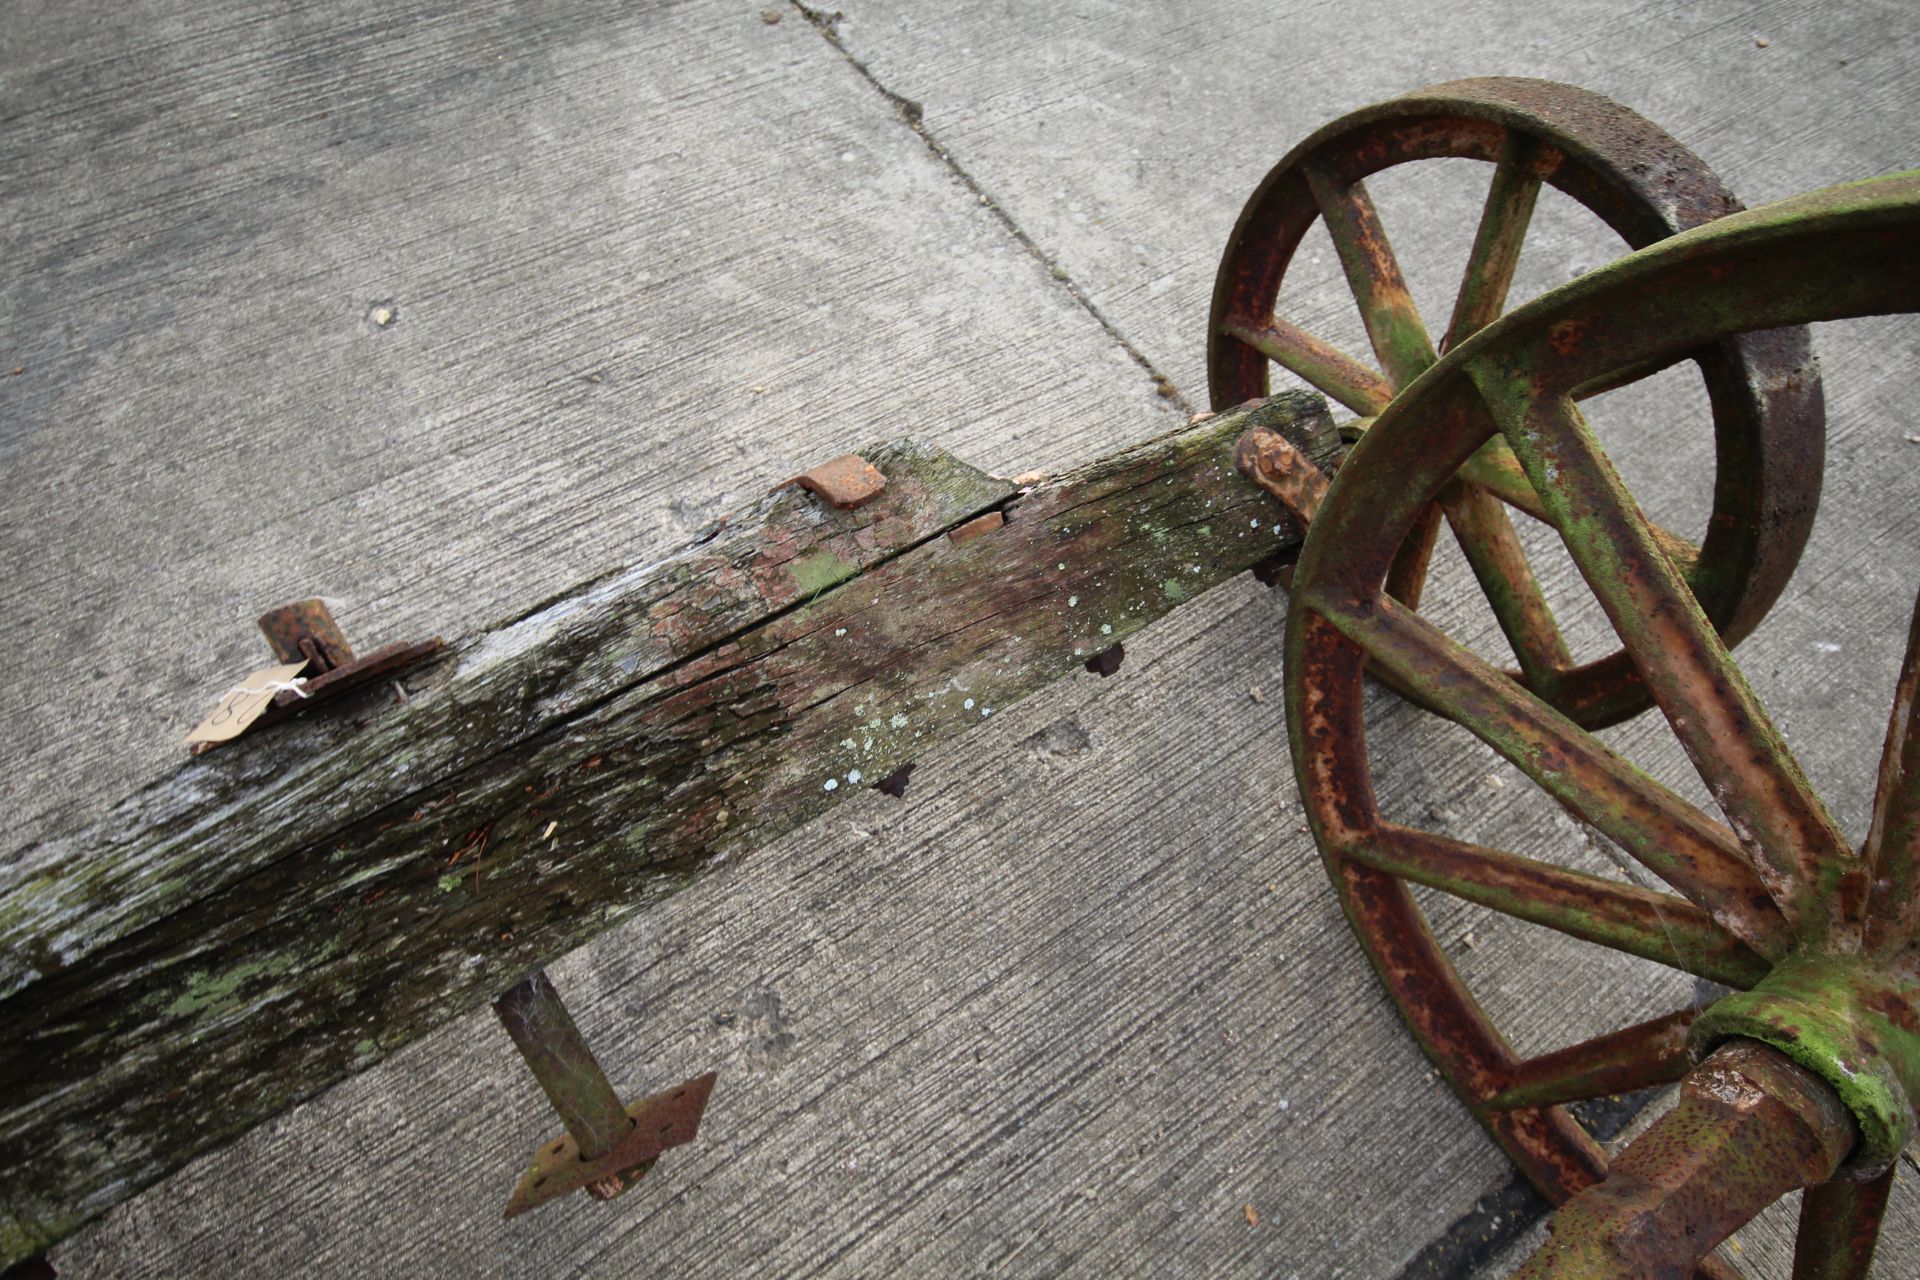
point(977, 526)
point(847, 482)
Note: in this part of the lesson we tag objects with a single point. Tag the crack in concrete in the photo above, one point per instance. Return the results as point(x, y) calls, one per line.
point(912, 114)
point(1510, 1207)
point(1504, 1213)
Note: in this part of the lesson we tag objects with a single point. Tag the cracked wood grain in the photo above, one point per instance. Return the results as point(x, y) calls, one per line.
point(265, 923)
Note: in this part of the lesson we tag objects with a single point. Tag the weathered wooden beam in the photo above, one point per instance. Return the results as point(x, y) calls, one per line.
point(277, 916)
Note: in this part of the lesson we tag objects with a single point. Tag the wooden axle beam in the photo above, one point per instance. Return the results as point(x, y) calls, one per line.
point(277, 916)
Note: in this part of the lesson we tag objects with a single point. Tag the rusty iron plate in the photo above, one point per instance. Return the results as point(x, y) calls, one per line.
point(662, 1121)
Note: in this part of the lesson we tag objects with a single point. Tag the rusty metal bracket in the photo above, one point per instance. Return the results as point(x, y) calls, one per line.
point(608, 1147)
point(1271, 461)
point(305, 631)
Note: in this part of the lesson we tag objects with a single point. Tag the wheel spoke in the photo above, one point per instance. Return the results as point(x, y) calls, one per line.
point(1394, 328)
point(1684, 555)
point(1493, 550)
point(1805, 863)
point(1893, 841)
point(1657, 926)
point(1407, 575)
point(1637, 1057)
point(1322, 365)
point(1497, 241)
point(1495, 469)
point(1373, 274)
point(1670, 837)
point(1839, 1226)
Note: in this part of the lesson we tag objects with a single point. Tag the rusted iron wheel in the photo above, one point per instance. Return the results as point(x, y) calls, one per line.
point(1817, 937)
point(1764, 388)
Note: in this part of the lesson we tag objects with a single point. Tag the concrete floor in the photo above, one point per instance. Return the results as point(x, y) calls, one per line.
point(1083, 998)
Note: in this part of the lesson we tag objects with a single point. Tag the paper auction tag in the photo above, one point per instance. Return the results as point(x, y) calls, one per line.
point(244, 703)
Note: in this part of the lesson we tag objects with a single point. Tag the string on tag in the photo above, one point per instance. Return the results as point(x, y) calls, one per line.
point(272, 686)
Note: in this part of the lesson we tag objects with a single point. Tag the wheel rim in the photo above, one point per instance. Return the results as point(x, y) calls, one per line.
point(1786, 907)
point(1763, 387)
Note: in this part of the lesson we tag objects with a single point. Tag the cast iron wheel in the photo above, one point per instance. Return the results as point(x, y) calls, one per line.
point(1764, 387)
point(1817, 939)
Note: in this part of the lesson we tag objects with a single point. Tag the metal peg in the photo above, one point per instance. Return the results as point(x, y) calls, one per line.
point(608, 1147)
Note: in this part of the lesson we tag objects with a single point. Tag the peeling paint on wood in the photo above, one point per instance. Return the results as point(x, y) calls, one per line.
point(271, 920)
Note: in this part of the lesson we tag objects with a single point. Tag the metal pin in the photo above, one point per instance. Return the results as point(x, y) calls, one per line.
point(557, 1054)
point(608, 1147)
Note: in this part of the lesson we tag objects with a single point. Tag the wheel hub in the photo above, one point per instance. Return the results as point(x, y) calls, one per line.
point(1850, 1022)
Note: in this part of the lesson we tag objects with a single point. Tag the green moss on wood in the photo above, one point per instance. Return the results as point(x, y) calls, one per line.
point(656, 721)
point(820, 571)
